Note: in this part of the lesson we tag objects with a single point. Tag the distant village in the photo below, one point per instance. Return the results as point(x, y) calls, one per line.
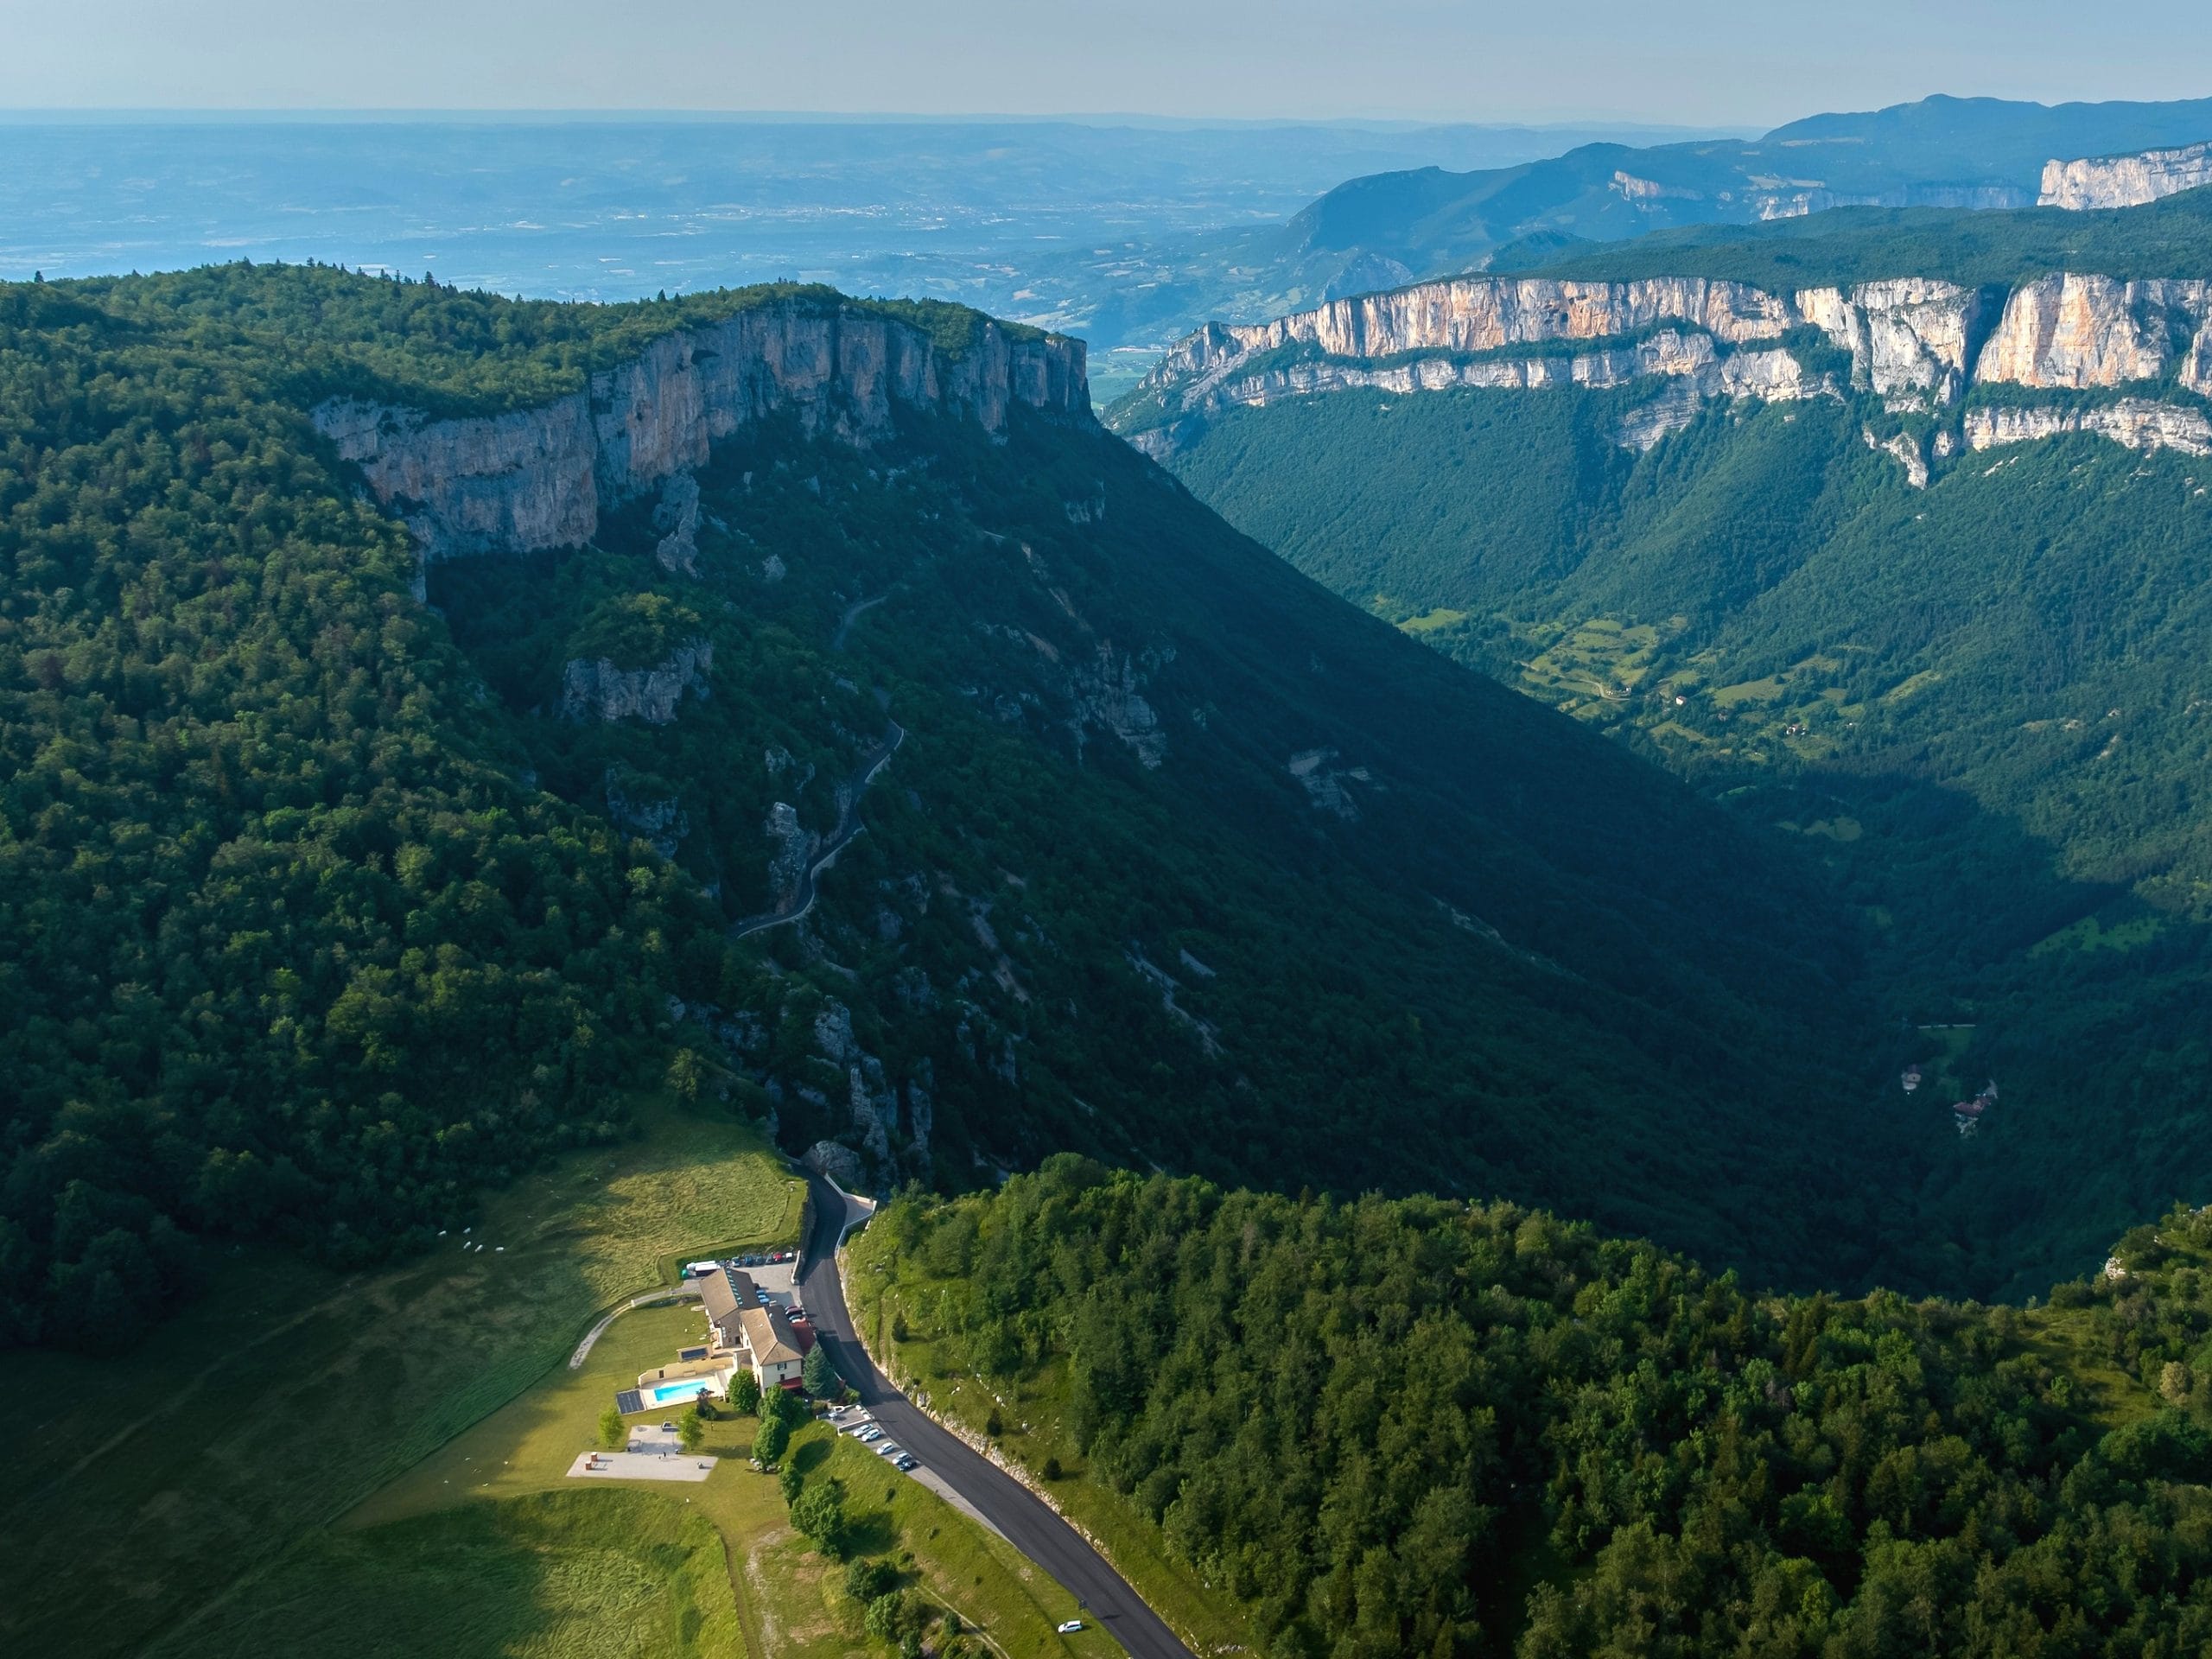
point(1967, 1113)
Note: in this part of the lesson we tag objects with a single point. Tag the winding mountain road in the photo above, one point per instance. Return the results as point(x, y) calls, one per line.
point(801, 899)
point(1024, 1520)
point(848, 825)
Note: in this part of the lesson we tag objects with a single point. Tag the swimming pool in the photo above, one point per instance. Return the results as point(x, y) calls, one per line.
point(673, 1393)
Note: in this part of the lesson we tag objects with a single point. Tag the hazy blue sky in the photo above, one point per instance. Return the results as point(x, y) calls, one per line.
point(1701, 61)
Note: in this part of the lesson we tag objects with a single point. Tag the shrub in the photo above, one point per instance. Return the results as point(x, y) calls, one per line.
point(769, 1444)
point(885, 1616)
point(614, 1432)
point(865, 1580)
point(820, 1514)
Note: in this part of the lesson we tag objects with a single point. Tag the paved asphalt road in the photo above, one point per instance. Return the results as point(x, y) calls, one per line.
point(848, 826)
point(1012, 1508)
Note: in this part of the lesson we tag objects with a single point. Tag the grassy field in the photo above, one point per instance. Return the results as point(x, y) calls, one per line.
point(877, 1286)
point(594, 1574)
point(287, 1393)
point(788, 1601)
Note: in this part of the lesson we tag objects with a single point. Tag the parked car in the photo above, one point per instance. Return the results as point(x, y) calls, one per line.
point(889, 1449)
point(1069, 1627)
point(868, 1434)
point(909, 1461)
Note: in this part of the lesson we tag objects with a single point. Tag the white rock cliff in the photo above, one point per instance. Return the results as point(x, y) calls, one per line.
point(1917, 343)
point(2125, 180)
point(539, 478)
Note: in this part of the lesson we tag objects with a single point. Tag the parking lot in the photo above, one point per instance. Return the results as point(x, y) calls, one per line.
point(860, 1425)
point(774, 1277)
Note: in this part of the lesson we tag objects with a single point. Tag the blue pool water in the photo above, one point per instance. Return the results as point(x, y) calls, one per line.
point(671, 1394)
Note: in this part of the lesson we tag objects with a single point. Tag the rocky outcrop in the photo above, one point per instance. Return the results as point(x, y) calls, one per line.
point(1915, 342)
point(659, 820)
point(1323, 781)
point(2079, 331)
point(1904, 448)
point(839, 1162)
point(596, 688)
point(1907, 338)
point(519, 481)
point(795, 846)
point(2125, 180)
point(2139, 422)
point(1108, 694)
point(678, 520)
point(540, 477)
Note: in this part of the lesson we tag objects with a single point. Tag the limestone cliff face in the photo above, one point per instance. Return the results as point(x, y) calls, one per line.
point(539, 478)
point(522, 480)
point(1771, 374)
point(1917, 343)
point(594, 689)
point(2139, 422)
point(1487, 313)
point(2125, 180)
point(1907, 340)
point(2079, 331)
point(1907, 337)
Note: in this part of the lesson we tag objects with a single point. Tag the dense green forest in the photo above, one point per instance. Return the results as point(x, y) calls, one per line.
point(1429, 1427)
point(319, 910)
point(1972, 248)
point(1983, 706)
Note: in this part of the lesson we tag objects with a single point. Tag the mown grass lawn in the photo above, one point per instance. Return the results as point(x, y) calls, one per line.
point(286, 1394)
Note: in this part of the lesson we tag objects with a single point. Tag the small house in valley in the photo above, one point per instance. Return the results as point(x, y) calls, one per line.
point(748, 1328)
point(725, 1295)
point(772, 1347)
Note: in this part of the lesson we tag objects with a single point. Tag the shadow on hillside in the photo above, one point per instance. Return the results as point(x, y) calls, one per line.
point(2078, 999)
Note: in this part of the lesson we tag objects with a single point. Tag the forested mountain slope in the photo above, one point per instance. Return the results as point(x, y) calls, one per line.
point(1384, 1428)
point(324, 907)
point(1909, 569)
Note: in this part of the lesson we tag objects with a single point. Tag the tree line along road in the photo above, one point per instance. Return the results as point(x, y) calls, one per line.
point(1025, 1520)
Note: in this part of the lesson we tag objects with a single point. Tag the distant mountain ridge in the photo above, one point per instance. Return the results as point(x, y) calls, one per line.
point(1921, 342)
point(1386, 229)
